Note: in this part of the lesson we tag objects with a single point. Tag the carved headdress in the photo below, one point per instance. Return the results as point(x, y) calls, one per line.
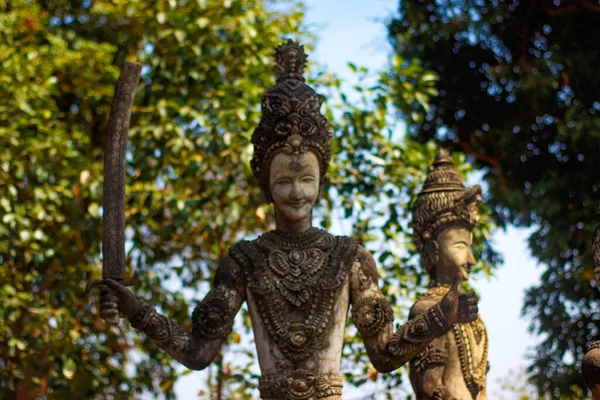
point(291, 121)
point(444, 200)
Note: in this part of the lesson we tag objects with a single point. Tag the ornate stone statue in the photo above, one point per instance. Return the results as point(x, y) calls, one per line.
point(454, 365)
point(298, 281)
point(591, 361)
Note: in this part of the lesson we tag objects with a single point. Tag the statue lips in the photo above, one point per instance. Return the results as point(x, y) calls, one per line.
point(464, 270)
point(297, 205)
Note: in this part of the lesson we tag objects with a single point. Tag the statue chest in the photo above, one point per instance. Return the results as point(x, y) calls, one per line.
point(294, 286)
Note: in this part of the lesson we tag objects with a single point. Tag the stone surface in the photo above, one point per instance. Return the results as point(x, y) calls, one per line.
point(591, 361)
point(453, 366)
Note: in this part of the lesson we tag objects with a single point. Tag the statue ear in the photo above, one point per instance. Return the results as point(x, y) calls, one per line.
point(266, 194)
point(431, 250)
point(322, 187)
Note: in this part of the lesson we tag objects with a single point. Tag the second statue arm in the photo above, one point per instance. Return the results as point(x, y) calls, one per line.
point(212, 319)
point(373, 316)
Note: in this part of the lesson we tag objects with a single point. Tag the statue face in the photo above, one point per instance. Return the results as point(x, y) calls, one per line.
point(454, 252)
point(294, 184)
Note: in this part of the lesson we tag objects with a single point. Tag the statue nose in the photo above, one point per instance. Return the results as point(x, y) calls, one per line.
point(471, 259)
point(296, 192)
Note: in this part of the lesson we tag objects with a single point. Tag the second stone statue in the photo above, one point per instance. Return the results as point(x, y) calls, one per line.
point(298, 281)
point(454, 365)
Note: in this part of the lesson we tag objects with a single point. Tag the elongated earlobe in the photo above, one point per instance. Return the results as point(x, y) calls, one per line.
point(431, 250)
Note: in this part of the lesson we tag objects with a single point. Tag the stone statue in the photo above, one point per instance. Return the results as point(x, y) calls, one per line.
point(298, 281)
point(454, 365)
point(591, 361)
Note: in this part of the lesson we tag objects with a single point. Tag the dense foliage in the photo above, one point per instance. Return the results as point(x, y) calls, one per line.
point(519, 93)
point(190, 193)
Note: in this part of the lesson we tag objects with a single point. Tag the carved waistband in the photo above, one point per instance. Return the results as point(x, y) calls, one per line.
point(300, 385)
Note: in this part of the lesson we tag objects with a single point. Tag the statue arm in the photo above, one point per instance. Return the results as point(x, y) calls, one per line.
point(427, 368)
point(373, 316)
point(212, 320)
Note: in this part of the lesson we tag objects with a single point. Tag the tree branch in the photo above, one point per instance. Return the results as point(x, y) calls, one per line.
point(493, 162)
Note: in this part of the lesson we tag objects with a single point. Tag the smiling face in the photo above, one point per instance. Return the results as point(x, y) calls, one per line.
point(454, 253)
point(294, 184)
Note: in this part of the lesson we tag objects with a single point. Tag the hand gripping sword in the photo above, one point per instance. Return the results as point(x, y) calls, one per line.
point(113, 204)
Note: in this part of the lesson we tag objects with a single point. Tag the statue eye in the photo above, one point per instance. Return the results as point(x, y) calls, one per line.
point(283, 181)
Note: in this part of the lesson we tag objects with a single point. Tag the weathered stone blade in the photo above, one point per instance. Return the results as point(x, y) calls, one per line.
point(113, 219)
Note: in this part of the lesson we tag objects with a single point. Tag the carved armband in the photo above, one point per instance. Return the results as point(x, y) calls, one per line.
point(437, 321)
point(420, 330)
point(212, 317)
point(371, 315)
point(165, 332)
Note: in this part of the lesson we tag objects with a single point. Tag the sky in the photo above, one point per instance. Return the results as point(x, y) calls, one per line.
point(354, 31)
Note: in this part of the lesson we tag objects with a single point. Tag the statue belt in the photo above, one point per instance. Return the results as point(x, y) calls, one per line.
point(300, 385)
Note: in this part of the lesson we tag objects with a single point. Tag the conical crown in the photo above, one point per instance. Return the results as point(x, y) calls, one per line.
point(444, 200)
point(291, 120)
point(443, 177)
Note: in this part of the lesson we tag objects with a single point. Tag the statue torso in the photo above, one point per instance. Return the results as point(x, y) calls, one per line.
point(466, 355)
point(297, 290)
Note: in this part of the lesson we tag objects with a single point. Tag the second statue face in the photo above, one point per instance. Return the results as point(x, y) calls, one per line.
point(294, 184)
point(454, 254)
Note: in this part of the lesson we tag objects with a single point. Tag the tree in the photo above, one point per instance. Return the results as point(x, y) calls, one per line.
point(519, 95)
point(204, 72)
point(190, 192)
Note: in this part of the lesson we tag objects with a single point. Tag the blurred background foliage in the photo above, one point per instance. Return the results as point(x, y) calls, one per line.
point(191, 194)
point(519, 94)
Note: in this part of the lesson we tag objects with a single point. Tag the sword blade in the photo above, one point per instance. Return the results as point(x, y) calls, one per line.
point(113, 204)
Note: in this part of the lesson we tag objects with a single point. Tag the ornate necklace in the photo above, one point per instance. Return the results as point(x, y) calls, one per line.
point(465, 335)
point(436, 290)
point(296, 279)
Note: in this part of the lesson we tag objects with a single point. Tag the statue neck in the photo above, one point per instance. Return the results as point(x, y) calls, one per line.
point(285, 224)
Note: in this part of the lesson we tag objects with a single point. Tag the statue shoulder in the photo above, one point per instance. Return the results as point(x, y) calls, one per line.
point(367, 263)
point(228, 273)
point(240, 252)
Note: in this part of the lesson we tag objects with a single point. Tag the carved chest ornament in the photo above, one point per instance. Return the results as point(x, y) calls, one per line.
point(296, 279)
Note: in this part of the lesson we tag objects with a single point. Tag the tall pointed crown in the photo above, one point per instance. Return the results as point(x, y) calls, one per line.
point(444, 200)
point(291, 121)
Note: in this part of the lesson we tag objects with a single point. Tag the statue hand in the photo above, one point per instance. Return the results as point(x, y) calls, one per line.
point(468, 310)
point(459, 307)
point(116, 298)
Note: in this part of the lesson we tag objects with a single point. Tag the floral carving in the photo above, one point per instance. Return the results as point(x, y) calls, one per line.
point(432, 356)
point(300, 385)
point(210, 317)
point(371, 315)
point(296, 274)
